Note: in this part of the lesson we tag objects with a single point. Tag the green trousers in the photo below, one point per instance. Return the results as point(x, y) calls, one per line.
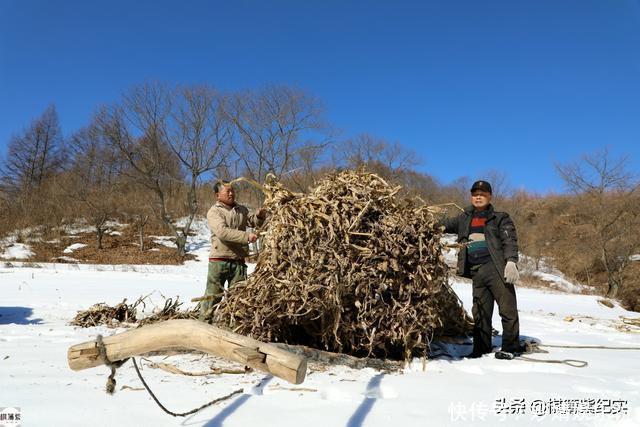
point(219, 273)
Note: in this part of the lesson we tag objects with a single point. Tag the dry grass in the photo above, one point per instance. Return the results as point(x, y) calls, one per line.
point(116, 250)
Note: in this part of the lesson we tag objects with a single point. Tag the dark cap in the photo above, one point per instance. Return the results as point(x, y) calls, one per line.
point(482, 186)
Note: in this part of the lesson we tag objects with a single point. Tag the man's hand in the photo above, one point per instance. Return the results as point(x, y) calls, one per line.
point(252, 237)
point(511, 274)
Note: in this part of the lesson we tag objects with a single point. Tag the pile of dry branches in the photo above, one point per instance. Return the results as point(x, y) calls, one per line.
point(348, 268)
point(103, 314)
point(124, 314)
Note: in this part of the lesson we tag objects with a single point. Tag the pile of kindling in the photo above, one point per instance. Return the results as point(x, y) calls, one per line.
point(347, 268)
point(126, 315)
point(104, 314)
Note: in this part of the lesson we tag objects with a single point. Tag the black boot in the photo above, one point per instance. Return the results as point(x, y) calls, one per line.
point(475, 354)
point(505, 355)
point(509, 355)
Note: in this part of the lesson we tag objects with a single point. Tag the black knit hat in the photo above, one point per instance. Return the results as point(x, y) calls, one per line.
point(482, 186)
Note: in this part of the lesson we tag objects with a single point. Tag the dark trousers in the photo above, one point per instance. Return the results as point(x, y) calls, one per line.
point(219, 273)
point(488, 287)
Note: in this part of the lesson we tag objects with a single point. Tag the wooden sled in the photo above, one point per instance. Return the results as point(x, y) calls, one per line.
point(191, 335)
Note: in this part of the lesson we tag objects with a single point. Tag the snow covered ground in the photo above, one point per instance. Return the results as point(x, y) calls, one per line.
point(37, 303)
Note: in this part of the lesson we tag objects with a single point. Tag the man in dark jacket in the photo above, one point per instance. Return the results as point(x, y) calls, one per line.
point(488, 256)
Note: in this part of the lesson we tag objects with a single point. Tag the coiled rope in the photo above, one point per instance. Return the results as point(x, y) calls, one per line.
point(535, 347)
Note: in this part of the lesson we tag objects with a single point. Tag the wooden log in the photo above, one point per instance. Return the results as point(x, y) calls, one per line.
point(192, 335)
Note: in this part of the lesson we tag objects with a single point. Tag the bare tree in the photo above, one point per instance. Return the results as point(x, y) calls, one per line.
point(369, 151)
point(34, 155)
point(458, 191)
point(168, 137)
point(93, 177)
point(606, 215)
point(423, 185)
point(199, 139)
point(275, 127)
point(499, 181)
point(597, 174)
point(308, 170)
point(137, 129)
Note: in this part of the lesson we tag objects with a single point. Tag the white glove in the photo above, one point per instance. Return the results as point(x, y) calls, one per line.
point(511, 274)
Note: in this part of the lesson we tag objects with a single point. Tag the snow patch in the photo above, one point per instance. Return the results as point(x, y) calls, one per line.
point(543, 269)
point(450, 254)
point(559, 282)
point(75, 246)
point(115, 224)
point(79, 227)
point(17, 251)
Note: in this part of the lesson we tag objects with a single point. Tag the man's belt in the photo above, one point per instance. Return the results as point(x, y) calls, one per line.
point(227, 260)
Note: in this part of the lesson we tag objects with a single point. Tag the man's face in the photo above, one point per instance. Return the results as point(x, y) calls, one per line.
point(480, 199)
point(226, 195)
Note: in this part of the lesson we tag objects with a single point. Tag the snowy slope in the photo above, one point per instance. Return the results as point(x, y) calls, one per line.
point(37, 303)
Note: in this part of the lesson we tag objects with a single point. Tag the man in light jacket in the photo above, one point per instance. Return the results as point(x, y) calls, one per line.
point(488, 257)
point(228, 222)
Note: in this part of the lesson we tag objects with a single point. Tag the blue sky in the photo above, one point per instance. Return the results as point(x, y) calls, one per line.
point(514, 86)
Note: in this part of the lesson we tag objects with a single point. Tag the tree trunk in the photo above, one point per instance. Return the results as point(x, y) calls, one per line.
point(100, 229)
point(99, 235)
point(141, 234)
point(613, 289)
point(191, 335)
point(181, 243)
point(141, 222)
point(586, 270)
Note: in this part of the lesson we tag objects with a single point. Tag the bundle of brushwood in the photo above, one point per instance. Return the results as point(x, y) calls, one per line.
point(103, 314)
point(125, 315)
point(347, 268)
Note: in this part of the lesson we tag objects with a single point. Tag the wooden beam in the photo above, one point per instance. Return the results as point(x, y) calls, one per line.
point(192, 335)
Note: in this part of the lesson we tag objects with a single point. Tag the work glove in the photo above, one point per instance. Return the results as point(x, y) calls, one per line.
point(511, 274)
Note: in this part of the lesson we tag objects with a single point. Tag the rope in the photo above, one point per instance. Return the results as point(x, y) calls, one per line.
point(102, 352)
point(534, 347)
point(571, 362)
point(586, 346)
point(183, 414)
point(111, 381)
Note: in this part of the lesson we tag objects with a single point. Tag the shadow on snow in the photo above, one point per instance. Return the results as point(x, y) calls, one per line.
point(18, 316)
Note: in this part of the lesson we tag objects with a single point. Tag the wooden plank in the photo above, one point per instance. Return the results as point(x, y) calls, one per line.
point(174, 335)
